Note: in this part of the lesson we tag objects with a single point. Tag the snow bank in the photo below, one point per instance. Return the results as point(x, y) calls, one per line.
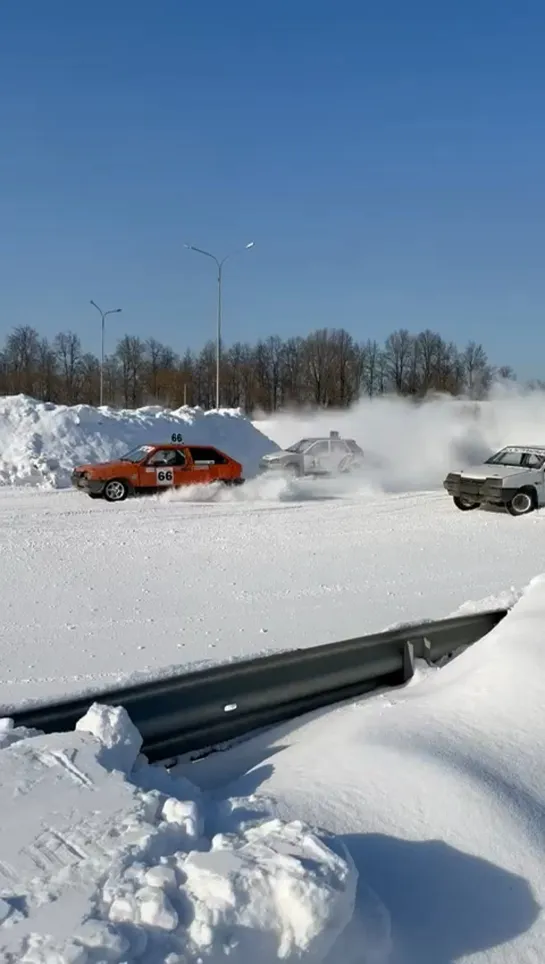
point(106, 859)
point(40, 442)
point(414, 445)
point(438, 791)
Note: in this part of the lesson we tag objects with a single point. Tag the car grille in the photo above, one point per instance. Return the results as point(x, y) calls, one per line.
point(489, 489)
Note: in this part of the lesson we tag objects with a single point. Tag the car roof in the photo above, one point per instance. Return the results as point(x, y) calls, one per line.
point(524, 448)
point(324, 438)
point(179, 445)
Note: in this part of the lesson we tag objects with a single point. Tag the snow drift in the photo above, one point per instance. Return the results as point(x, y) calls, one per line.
point(41, 442)
point(107, 859)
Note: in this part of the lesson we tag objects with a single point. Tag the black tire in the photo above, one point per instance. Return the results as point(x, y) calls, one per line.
point(116, 490)
point(464, 504)
point(523, 502)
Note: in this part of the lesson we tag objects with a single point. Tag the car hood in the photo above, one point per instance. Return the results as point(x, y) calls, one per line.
point(491, 471)
point(280, 456)
point(112, 466)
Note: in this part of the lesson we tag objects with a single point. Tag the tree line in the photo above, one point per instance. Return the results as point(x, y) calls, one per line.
point(328, 367)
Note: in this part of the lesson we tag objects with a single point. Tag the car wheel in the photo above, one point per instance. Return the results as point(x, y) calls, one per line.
point(116, 490)
point(465, 505)
point(523, 502)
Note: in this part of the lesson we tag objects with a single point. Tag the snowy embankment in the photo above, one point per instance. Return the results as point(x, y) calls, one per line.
point(107, 859)
point(435, 793)
point(437, 790)
point(41, 442)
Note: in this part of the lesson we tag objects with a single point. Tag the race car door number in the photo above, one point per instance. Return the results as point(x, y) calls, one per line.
point(165, 477)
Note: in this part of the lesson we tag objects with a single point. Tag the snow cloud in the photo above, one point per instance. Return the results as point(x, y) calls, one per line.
point(412, 446)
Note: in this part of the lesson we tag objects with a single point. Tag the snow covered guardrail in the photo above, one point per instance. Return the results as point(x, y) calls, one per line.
point(195, 711)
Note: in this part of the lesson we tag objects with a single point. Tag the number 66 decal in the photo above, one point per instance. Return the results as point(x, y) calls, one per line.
point(165, 477)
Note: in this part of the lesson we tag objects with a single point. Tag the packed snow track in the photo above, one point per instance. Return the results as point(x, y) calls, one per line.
point(95, 594)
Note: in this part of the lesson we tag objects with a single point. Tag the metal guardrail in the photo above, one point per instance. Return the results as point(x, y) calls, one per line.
point(182, 714)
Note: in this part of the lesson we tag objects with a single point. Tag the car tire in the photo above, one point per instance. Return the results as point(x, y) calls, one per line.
point(116, 490)
point(464, 504)
point(523, 502)
point(346, 465)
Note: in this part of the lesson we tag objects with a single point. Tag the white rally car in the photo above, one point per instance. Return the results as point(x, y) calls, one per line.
point(514, 477)
point(318, 456)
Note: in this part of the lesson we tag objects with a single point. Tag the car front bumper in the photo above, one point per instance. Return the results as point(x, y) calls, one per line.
point(91, 486)
point(276, 466)
point(478, 490)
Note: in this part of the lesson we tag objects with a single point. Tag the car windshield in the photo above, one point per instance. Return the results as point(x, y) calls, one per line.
point(515, 458)
point(137, 454)
point(299, 446)
point(505, 457)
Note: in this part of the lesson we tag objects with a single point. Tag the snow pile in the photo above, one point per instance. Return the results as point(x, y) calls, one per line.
point(412, 446)
point(40, 442)
point(106, 859)
point(438, 791)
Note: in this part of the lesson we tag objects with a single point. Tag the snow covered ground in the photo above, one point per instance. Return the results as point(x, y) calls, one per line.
point(433, 796)
point(436, 793)
point(93, 593)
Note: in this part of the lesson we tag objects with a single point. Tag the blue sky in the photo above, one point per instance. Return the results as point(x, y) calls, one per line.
point(386, 158)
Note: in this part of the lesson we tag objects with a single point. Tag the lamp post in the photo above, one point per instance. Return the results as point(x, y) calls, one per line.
point(112, 311)
point(219, 265)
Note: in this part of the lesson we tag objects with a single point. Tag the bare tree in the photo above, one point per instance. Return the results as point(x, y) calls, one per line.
point(67, 349)
point(478, 372)
point(131, 354)
point(46, 380)
point(398, 351)
point(22, 355)
point(327, 368)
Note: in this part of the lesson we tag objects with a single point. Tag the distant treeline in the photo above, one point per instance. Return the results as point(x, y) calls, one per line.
point(327, 368)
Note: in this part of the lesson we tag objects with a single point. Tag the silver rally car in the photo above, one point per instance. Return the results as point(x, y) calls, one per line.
point(315, 457)
point(514, 477)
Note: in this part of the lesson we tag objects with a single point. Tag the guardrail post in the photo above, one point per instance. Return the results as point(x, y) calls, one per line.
point(407, 672)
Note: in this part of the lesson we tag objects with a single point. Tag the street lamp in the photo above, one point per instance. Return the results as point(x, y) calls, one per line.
point(220, 265)
point(112, 311)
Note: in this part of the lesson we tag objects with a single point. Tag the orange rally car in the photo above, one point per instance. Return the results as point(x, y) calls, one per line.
point(154, 468)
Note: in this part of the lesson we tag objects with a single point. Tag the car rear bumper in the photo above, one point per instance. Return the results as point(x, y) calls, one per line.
point(84, 484)
point(478, 490)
